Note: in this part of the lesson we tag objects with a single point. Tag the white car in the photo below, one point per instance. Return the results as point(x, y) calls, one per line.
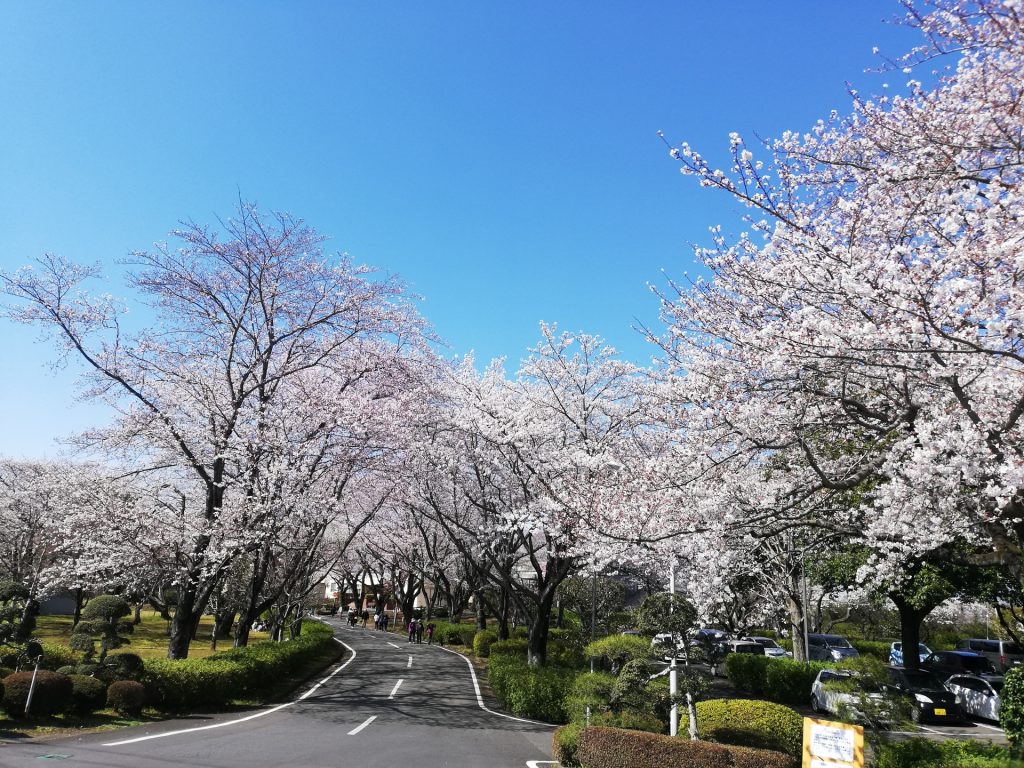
point(977, 696)
point(826, 700)
point(771, 648)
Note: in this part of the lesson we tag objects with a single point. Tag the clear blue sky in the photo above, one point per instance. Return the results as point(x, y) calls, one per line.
point(502, 158)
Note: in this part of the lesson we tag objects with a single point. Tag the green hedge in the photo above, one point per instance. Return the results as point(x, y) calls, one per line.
point(588, 690)
point(87, 694)
point(218, 679)
point(615, 748)
point(616, 650)
point(918, 753)
point(748, 723)
point(878, 648)
point(564, 743)
point(454, 634)
point(538, 693)
point(1011, 708)
point(515, 647)
point(780, 680)
point(482, 641)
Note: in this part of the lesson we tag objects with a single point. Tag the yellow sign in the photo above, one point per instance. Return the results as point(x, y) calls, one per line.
point(832, 745)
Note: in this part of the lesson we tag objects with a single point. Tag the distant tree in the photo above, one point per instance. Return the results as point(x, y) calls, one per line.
point(103, 619)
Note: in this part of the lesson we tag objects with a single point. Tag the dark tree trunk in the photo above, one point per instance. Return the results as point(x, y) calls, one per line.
point(79, 600)
point(138, 614)
point(182, 624)
point(537, 642)
point(481, 611)
point(910, 631)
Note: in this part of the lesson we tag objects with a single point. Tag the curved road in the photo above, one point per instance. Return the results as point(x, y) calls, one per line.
point(360, 716)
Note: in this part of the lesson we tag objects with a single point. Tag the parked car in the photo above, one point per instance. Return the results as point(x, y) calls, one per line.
point(744, 646)
point(771, 648)
point(977, 696)
point(829, 648)
point(896, 653)
point(946, 663)
point(1003, 654)
point(931, 700)
point(825, 699)
point(705, 635)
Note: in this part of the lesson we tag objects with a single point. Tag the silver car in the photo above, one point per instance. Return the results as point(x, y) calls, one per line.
point(977, 696)
point(771, 648)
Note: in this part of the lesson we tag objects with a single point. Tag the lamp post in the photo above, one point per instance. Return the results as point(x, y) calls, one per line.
point(673, 673)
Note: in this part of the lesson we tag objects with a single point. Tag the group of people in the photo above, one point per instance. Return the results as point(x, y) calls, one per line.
point(416, 627)
point(416, 630)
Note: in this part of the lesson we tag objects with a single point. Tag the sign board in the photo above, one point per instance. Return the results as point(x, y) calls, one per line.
point(829, 744)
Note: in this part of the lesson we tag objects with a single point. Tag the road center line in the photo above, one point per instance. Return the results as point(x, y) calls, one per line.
point(409, 665)
point(365, 723)
point(395, 646)
point(240, 719)
point(395, 689)
point(990, 727)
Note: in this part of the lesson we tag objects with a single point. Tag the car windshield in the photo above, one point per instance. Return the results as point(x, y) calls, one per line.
point(923, 681)
point(835, 641)
point(767, 642)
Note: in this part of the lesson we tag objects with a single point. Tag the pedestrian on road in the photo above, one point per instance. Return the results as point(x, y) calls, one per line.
point(376, 621)
point(412, 631)
point(419, 631)
point(353, 619)
point(365, 617)
point(430, 633)
point(383, 622)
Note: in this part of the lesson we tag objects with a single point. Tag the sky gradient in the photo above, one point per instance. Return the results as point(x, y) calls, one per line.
point(502, 158)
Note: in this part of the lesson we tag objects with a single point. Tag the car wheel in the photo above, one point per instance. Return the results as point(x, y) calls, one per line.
point(815, 706)
point(915, 715)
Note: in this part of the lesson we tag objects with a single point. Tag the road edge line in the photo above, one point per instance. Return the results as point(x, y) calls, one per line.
point(262, 713)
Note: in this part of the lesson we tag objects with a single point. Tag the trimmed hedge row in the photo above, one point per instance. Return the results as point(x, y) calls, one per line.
point(780, 680)
point(917, 752)
point(748, 723)
point(482, 642)
point(216, 680)
point(534, 692)
point(454, 634)
point(877, 648)
point(600, 747)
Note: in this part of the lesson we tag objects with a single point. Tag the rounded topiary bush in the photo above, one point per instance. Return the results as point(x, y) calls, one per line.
point(5, 671)
point(564, 743)
point(482, 642)
point(748, 723)
point(128, 666)
point(70, 669)
point(126, 697)
point(87, 694)
point(53, 692)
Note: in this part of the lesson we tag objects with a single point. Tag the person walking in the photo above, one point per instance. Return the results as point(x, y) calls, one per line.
point(412, 631)
point(419, 631)
point(430, 633)
point(383, 622)
point(365, 617)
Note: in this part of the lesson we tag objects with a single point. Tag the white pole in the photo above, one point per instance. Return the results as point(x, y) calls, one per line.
point(32, 686)
point(673, 674)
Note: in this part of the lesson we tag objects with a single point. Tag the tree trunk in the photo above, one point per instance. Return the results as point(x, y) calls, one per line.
point(796, 627)
point(182, 624)
point(481, 612)
point(910, 631)
point(138, 614)
point(537, 642)
point(79, 599)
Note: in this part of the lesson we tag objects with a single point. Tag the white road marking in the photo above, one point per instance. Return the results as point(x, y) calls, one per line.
point(240, 719)
point(395, 646)
point(409, 665)
point(941, 733)
point(539, 763)
point(358, 728)
point(990, 727)
point(480, 698)
point(395, 689)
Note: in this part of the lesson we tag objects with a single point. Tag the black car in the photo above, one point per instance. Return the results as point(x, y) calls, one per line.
point(930, 699)
point(946, 663)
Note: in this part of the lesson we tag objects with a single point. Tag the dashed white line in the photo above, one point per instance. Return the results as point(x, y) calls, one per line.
point(365, 723)
point(395, 689)
point(409, 665)
point(240, 719)
point(395, 646)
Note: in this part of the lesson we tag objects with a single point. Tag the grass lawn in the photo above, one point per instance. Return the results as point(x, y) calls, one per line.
point(149, 640)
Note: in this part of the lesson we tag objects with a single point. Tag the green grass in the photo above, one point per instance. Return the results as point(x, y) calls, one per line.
point(149, 640)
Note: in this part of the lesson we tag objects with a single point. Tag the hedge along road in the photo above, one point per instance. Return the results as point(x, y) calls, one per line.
point(360, 716)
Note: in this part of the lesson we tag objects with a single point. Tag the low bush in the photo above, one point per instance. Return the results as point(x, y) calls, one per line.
point(564, 743)
point(630, 720)
point(535, 692)
point(482, 642)
point(748, 672)
point(216, 680)
point(87, 695)
point(126, 697)
point(454, 634)
point(616, 650)
point(520, 633)
point(1011, 708)
point(616, 748)
point(56, 655)
point(508, 648)
point(877, 648)
point(789, 682)
point(918, 752)
point(588, 690)
point(52, 693)
point(748, 723)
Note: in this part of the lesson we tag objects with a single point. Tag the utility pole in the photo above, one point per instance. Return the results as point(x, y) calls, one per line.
point(673, 673)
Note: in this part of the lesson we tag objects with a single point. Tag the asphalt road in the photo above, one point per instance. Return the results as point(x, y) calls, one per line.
point(388, 704)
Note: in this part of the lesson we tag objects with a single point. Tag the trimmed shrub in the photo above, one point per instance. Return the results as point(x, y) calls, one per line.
point(877, 648)
point(5, 671)
point(588, 690)
point(454, 634)
point(916, 752)
point(564, 743)
point(535, 692)
point(56, 656)
point(126, 697)
point(127, 666)
point(87, 694)
point(216, 680)
point(520, 633)
point(615, 748)
point(482, 642)
point(508, 648)
point(616, 650)
point(630, 720)
point(53, 691)
point(1011, 709)
point(748, 723)
point(748, 672)
point(789, 682)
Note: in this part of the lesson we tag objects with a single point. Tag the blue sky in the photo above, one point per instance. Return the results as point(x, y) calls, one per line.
point(502, 158)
